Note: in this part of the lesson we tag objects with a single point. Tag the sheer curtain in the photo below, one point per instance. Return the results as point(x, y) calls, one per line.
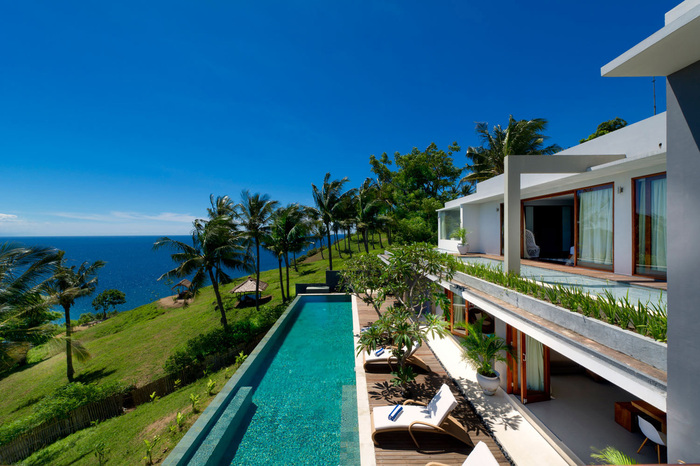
point(651, 225)
point(459, 310)
point(534, 358)
point(641, 223)
point(595, 227)
point(658, 224)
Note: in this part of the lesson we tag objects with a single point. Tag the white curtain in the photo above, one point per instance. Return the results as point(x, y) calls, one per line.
point(459, 308)
point(642, 222)
point(596, 226)
point(658, 224)
point(534, 359)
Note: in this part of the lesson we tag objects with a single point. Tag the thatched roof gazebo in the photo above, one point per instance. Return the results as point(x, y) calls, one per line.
point(248, 287)
point(183, 288)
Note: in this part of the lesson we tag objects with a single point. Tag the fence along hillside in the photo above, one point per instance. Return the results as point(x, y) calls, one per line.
point(47, 433)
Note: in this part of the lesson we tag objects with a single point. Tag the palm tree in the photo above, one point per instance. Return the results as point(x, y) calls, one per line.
point(215, 245)
point(318, 232)
point(65, 286)
point(287, 234)
point(520, 137)
point(274, 242)
point(23, 271)
point(328, 201)
point(221, 206)
point(365, 209)
point(254, 213)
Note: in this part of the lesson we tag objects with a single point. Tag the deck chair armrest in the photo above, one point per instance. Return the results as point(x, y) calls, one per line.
point(427, 424)
point(415, 402)
point(410, 426)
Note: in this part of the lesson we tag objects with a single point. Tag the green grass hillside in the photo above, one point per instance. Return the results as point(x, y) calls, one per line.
point(131, 348)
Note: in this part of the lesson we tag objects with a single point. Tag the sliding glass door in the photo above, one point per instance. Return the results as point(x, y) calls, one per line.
point(528, 367)
point(595, 227)
point(650, 226)
point(458, 314)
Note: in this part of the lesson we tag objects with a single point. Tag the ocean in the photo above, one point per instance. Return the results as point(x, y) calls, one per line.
point(132, 265)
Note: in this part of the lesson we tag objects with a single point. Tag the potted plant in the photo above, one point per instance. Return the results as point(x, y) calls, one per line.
point(482, 351)
point(463, 246)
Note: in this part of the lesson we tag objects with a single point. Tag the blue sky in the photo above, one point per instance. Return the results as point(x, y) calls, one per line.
point(120, 118)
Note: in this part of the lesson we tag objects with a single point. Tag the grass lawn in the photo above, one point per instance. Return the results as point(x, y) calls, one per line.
point(132, 347)
point(123, 436)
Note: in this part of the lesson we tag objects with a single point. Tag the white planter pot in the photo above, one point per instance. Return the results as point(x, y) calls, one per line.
point(489, 384)
point(463, 248)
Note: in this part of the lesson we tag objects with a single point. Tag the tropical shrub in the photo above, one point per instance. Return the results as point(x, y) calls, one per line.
point(220, 339)
point(85, 318)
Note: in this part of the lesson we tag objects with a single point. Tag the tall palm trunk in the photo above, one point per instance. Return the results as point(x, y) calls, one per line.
point(359, 240)
point(381, 245)
point(320, 241)
point(286, 262)
point(69, 347)
point(257, 274)
point(330, 247)
point(279, 264)
point(364, 234)
point(337, 245)
point(215, 286)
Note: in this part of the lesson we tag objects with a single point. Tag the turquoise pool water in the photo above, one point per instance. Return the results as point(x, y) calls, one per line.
point(304, 405)
point(588, 285)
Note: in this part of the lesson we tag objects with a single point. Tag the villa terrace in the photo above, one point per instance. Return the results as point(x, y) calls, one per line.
point(559, 432)
point(566, 275)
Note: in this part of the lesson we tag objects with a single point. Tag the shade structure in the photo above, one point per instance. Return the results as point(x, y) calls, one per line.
point(248, 286)
point(184, 282)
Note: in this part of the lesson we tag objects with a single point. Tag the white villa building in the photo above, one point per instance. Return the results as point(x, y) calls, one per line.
point(625, 208)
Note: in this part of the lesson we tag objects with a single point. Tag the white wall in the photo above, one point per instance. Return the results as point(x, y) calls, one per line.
point(490, 216)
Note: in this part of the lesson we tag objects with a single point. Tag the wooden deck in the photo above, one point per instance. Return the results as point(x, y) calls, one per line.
point(398, 448)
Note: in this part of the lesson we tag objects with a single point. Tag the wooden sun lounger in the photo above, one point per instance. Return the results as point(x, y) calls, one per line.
point(388, 358)
point(434, 418)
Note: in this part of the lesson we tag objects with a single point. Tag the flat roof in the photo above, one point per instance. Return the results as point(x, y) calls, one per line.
point(668, 50)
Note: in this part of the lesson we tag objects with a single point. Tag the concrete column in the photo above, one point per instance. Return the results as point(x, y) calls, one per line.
point(683, 201)
point(511, 204)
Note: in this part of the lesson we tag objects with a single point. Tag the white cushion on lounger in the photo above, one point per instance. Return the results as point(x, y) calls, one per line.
point(435, 413)
point(480, 456)
point(386, 355)
point(372, 356)
point(407, 416)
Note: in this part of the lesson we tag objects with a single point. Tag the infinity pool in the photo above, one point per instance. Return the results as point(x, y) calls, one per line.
point(304, 401)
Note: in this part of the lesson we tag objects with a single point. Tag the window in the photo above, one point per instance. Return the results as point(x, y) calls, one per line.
point(650, 226)
point(595, 227)
point(449, 223)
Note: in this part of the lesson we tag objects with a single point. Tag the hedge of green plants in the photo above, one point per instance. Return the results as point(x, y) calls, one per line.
point(215, 341)
point(648, 319)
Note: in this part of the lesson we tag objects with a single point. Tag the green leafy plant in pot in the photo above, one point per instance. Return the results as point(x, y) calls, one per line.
point(461, 234)
point(482, 351)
